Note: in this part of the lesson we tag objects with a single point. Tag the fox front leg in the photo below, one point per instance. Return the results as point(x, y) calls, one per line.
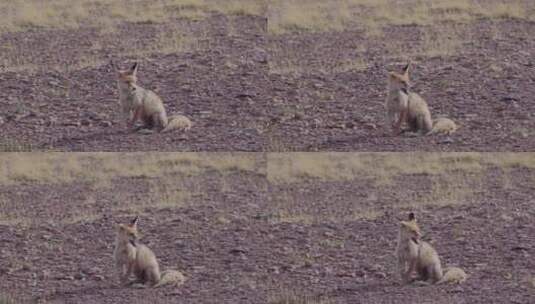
point(121, 271)
point(135, 116)
point(407, 275)
point(402, 118)
point(128, 116)
point(127, 273)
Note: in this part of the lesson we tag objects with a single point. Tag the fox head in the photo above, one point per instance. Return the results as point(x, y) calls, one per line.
point(399, 81)
point(409, 229)
point(128, 232)
point(128, 78)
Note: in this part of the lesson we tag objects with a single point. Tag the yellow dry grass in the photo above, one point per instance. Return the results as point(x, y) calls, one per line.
point(445, 27)
point(102, 167)
point(290, 296)
point(18, 15)
point(284, 15)
point(295, 167)
point(440, 36)
point(309, 15)
point(450, 179)
point(171, 179)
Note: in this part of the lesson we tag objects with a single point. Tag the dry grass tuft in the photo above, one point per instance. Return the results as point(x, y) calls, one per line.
point(291, 297)
point(290, 16)
point(6, 299)
point(290, 62)
point(19, 15)
point(446, 190)
point(240, 7)
point(295, 167)
point(335, 15)
point(284, 15)
point(103, 167)
point(172, 180)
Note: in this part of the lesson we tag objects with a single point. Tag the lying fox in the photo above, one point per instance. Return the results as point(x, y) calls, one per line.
point(138, 103)
point(415, 255)
point(133, 257)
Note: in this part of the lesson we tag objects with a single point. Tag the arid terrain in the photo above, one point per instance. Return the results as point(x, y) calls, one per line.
point(266, 227)
point(280, 78)
point(299, 75)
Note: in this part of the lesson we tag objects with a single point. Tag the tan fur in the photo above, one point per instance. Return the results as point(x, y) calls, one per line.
point(133, 257)
point(179, 122)
point(443, 125)
point(138, 103)
point(405, 106)
point(419, 116)
point(453, 275)
point(397, 99)
point(171, 277)
point(415, 255)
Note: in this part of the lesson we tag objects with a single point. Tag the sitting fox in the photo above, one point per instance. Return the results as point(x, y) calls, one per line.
point(402, 105)
point(417, 256)
point(138, 103)
point(133, 257)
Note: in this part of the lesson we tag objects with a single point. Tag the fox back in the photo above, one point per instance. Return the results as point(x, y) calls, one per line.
point(428, 266)
point(146, 268)
point(419, 116)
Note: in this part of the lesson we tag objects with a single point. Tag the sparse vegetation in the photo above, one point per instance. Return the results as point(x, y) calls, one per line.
point(292, 297)
point(284, 16)
point(288, 168)
point(444, 28)
point(67, 167)
point(105, 13)
point(107, 18)
point(171, 178)
point(6, 300)
point(305, 15)
point(314, 221)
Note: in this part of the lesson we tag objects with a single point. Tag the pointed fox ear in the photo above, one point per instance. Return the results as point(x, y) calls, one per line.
point(133, 69)
point(412, 217)
point(406, 69)
point(134, 222)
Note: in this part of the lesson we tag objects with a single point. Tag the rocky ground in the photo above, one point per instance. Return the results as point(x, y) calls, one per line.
point(248, 89)
point(330, 239)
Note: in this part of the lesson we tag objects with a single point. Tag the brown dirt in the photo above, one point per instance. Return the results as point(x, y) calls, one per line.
point(228, 81)
point(237, 244)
